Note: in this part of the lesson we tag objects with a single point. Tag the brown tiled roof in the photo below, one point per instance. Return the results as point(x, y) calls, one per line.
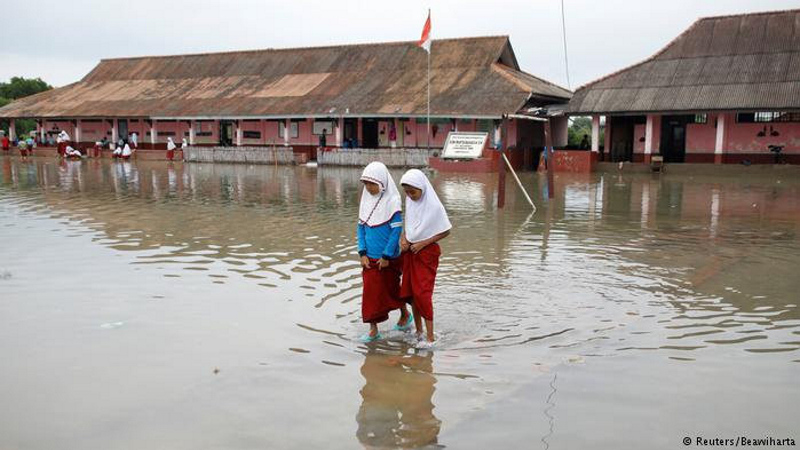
point(738, 62)
point(469, 77)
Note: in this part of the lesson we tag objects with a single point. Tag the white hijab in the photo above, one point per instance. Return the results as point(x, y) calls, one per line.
point(378, 209)
point(184, 144)
point(426, 217)
point(126, 150)
point(170, 144)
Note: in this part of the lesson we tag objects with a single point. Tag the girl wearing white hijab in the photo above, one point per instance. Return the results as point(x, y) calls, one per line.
point(171, 149)
point(379, 226)
point(126, 151)
point(426, 224)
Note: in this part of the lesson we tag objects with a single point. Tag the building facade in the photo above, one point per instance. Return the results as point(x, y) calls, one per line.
point(727, 90)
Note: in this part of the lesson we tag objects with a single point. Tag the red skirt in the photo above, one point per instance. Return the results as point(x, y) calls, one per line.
point(419, 276)
point(380, 291)
point(170, 154)
point(62, 148)
point(23, 152)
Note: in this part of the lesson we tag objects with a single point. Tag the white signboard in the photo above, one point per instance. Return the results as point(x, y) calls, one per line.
point(464, 145)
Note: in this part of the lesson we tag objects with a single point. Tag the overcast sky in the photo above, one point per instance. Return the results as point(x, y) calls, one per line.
point(60, 41)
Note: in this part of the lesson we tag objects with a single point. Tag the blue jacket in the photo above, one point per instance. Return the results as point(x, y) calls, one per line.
point(382, 241)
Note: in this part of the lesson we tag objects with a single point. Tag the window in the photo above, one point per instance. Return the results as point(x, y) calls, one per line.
point(320, 125)
point(251, 134)
point(700, 118)
point(767, 117)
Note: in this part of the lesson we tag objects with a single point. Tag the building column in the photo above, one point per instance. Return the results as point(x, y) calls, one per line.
point(42, 131)
point(648, 138)
point(77, 132)
point(595, 134)
point(153, 134)
point(287, 130)
point(238, 133)
point(192, 125)
point(339, 131)
point(12, 130)
point(719, 145)
point(114, 134)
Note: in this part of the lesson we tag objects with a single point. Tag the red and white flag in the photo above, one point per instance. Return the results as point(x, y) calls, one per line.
point(425, 40)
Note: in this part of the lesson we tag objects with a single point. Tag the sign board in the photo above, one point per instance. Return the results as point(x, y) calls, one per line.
point(464, 145)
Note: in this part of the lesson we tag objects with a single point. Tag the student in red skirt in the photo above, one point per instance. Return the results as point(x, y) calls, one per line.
point(380, 223)
point(426, 224)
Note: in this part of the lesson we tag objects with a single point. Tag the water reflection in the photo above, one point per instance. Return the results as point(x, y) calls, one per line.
point(397, 407)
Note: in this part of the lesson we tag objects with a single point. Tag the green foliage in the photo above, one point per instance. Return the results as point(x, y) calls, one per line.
point(16, 88)
point(580, 127)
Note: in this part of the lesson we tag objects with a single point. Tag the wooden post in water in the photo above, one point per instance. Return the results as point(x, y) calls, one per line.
point(550, 155)
point(501, 166)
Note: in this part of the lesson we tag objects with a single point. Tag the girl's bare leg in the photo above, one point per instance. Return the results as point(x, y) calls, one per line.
point(373, 329)
point(429, 328)
point(403, 316)
point(417, 319)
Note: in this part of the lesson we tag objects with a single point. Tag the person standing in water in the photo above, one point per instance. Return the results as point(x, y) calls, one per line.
point(426, 224)
point(379, 226)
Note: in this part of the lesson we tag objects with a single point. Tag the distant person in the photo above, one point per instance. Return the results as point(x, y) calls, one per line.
point(426, 224)
point(63, 140)
point(171, 149)
point(323, 140)
point(23, 148)
point(31, 144)
point(126, 152)
point(184, 144)
point(70, 152)
point(393, 136)
point(6, 143)
point(378, 231)
point(585, 142)
point(134, 140)
point(117, 153)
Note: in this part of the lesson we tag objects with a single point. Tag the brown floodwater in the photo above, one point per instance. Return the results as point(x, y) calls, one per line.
point(191, 306)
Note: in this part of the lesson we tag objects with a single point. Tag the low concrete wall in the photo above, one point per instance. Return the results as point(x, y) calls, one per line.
point(245, 155)
point(398, 157)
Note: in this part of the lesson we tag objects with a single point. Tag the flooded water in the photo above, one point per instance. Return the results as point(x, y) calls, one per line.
point(218, 306)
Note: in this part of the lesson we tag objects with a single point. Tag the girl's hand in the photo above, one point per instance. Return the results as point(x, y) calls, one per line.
point(365, 262)
point(404, 244)
point(383, 263)
point(416, 247)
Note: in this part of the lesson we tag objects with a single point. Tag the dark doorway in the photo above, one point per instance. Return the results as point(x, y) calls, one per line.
point(622, 137)
point(370, 133)
point(225, 133)
point(350, 133)
point(673, 137)
point(122, 129)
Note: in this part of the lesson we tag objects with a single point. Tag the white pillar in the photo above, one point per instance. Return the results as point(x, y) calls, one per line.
point(339, 131)
point(595, 133)
point(720, 141)
point(114, 134)
point(287, 129)
point(153, 133)
point(238, 133)
point(42, 130)
point(648, 135)
point(191, 132)
point(77, 131)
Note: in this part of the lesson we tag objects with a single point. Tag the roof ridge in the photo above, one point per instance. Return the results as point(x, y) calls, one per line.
point(759, 13)
point(320, 47)
point(541, 80)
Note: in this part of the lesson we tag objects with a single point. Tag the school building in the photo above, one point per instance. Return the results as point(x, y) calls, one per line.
point(723, 91)
point(370, 96)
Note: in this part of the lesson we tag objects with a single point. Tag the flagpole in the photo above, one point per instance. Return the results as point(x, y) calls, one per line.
point(430, 49)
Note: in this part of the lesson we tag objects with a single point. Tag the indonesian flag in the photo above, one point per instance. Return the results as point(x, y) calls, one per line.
point(425, 40)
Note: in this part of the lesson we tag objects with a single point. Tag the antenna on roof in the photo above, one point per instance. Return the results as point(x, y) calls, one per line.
point(564, 35)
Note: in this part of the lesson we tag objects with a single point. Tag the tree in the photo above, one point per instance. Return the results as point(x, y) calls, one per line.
point(578, 128)
point(16, 88)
